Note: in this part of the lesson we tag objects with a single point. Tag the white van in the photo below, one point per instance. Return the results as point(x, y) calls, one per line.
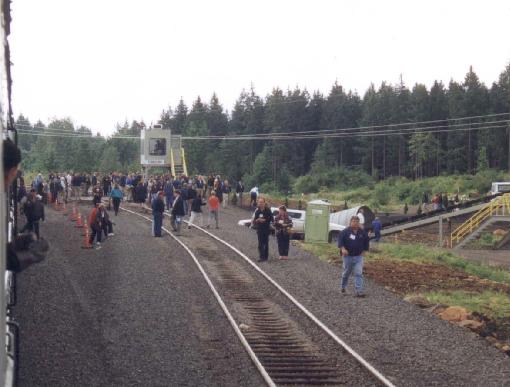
point(298, 224)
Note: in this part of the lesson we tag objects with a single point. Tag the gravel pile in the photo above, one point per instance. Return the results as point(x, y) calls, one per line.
point(134, 313)
point(405, 343)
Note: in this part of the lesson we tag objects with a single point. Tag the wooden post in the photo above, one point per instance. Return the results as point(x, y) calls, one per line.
point(440, 231)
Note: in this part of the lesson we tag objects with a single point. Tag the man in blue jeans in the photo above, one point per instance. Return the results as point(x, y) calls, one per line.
point(353, 242)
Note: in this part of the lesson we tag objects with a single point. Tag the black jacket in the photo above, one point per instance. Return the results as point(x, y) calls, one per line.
point(34, 210)
point(267, 215)
point(158, 205)
point(192, 194)
point(178, 207)
point(196, 204)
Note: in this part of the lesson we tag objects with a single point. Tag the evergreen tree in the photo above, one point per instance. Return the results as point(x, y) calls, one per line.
point(178, 121)
point(110, 160)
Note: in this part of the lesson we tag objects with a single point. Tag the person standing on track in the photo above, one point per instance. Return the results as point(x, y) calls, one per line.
point(116, 195)
point(214, 208)
point(178, 212)
point(353, 242)
point(262, 219)
point(196, 211)
point(158, 207)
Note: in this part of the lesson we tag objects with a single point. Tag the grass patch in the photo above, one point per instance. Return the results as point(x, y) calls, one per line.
point(489, 303)
point(324, 251)
point(424, 254)
point(417, 254)
point(488, 240)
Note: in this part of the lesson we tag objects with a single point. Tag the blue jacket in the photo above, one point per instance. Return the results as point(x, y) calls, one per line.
point(116, 193)
point(355, 243)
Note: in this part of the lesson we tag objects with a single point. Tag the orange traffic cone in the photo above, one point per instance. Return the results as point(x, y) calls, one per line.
point(78, 224)
point(86, 241)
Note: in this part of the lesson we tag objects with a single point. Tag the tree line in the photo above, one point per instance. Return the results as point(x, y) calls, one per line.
point(275, 164)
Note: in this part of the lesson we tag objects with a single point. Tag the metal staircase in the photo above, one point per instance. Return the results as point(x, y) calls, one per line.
point(177, 157)
point(496, 210)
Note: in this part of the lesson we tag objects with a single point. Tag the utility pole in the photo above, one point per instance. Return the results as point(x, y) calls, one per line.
point(508, 130)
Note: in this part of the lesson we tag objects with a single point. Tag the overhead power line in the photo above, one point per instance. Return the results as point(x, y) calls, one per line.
point(413, 126)
point(269, 137)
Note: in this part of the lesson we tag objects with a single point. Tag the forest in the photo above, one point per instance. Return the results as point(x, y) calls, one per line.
point(458, 128)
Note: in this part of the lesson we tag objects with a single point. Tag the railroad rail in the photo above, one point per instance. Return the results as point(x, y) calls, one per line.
point(284, 352)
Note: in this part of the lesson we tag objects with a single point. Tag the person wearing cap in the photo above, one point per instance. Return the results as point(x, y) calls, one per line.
point(158, 207)
point(353, 242)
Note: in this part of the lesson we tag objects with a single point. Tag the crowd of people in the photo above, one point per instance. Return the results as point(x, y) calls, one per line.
point(180, 197)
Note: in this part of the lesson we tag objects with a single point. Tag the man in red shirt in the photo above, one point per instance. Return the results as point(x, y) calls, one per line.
point(214, 207)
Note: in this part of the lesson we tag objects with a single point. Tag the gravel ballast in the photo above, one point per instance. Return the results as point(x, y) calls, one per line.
point(408, 345)
point(135, 313)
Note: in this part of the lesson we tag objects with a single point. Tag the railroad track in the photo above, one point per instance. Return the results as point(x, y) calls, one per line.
point(287, 343)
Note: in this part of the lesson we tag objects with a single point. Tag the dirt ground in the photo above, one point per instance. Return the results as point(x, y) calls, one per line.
point(410, 277)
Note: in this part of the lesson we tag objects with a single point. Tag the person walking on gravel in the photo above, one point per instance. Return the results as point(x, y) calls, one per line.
point(353, 242)
point(282, 225)
point(116, 195)
point(262, 219)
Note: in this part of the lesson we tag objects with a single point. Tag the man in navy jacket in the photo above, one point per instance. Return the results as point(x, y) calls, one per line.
point(353, 242)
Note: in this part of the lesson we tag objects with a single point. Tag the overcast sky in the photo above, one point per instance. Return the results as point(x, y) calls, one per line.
point(100, 62)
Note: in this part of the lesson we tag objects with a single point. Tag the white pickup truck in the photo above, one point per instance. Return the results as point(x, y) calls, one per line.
point(500, 187)
point(298, 222)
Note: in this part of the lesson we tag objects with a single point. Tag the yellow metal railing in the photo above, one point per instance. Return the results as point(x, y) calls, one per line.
point(184, 166)
point(499, 206)
point(172, 162)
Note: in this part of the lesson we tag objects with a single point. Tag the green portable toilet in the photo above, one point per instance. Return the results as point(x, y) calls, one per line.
point(317, 221)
